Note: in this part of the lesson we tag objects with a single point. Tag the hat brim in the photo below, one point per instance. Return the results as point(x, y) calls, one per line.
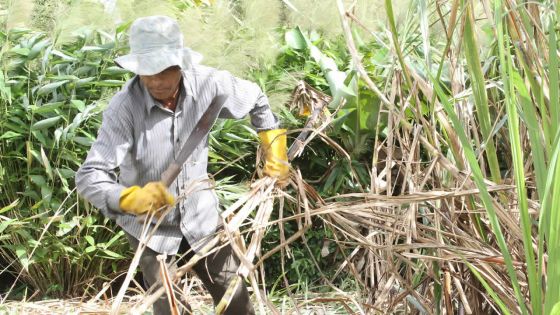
point(156, 61)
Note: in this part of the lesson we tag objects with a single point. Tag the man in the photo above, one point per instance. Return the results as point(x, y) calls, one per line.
point(145, 126)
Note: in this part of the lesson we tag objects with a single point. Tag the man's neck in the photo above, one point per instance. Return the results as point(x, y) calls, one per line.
point(171, 102)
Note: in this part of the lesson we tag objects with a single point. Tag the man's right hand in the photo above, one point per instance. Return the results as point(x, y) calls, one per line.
point(142, 200)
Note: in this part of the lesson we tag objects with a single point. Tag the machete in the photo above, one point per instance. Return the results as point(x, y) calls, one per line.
point(201, 129)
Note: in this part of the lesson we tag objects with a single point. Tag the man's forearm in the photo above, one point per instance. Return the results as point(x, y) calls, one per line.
point(100, 188)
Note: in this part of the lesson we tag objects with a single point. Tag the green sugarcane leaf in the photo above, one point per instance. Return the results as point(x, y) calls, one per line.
point(10, 206)
point(488, 288)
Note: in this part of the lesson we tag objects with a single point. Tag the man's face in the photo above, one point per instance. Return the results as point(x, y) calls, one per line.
point(164, 84)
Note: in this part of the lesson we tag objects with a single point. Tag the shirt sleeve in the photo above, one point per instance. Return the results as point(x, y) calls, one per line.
point(245, 97)
point(96, 179)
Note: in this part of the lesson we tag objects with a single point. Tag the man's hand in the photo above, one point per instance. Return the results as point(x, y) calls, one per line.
point(150, 198)
point(276, 163)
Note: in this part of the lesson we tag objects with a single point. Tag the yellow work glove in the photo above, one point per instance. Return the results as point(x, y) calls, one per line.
point(276, 163)
point(142, 200)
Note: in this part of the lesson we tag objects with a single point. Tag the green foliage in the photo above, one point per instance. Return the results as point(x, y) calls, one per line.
point(232, 150)
point(52, 96)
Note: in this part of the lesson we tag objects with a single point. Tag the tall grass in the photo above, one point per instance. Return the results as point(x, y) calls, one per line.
point(529, 113)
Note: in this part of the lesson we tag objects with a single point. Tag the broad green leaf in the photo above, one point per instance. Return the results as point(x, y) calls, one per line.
point(38, 180)
point(36, 49)
point(46, 193)
point(109, 83)
point(123, 27)
point(57, 135)
point(65, 227)
point(38, 134)
point(112, 71)
point(78, 104)
point(66, 173)
point(90, 240)
point(21, 253)
point(10, 135)
point(63, 180)
point(295, 39)
point(20, 51)
point(85, 81)
point(62, 77)
point(46, 108)
point(83, 141)
point(112, 254)
point(63, 55)
point(45, 123)
point(94, 48)
point(115, 238)
point(5, 224)
point(46, 164)
point(48, 88)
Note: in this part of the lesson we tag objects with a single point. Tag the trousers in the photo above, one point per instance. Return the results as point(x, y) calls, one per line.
point(215, 271)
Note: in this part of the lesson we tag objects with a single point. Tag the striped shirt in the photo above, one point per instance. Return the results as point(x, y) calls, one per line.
point(139, 138)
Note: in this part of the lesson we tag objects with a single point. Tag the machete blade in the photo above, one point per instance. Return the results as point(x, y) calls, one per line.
point(202, 128)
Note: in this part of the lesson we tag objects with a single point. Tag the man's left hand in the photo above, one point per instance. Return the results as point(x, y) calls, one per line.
point(276, 163)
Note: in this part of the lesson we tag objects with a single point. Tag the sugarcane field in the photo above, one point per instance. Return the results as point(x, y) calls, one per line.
point(280, 157)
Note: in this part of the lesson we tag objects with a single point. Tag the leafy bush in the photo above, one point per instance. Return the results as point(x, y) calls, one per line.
point(52, 96)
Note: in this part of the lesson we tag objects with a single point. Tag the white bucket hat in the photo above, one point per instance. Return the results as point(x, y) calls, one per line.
point(156, 43)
